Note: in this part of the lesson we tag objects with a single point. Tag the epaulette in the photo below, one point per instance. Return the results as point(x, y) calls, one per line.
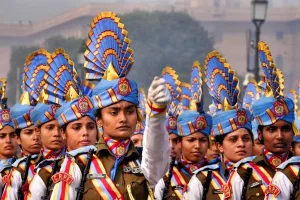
point(244, 160)
point(207, 167)
point(214, 161)
point(4, 164)
point(18, 161)
point(44, 163)
point(292, 160)
point(81, 150)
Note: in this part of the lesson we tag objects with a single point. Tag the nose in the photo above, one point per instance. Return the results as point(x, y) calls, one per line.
point(85, 132)
point(8, 139)
point(56, 133)
point(123, 118)
point(171, 144)
point(197, 144)
point(279, 134)
point(241, 143)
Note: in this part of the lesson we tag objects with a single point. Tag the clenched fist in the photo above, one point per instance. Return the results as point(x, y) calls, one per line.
point(158, 92)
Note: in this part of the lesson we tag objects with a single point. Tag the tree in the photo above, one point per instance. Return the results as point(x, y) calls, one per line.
point(165, 38)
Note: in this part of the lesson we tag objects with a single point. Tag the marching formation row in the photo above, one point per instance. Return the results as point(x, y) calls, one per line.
point(111, 141)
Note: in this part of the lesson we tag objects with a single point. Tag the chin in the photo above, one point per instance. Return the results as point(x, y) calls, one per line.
point(121, 135)
point(280, 150)
point(56, 148)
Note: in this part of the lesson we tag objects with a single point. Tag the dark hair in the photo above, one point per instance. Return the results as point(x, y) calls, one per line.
point(64, 127)
point(220, 138)
point(18, 132)
point(293, 145)
point(260, 129)
point(98, 114)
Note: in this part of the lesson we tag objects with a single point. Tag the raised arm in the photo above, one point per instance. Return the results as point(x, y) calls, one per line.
point(156, 150)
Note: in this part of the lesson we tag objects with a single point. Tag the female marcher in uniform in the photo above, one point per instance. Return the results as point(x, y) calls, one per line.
point(296, 141)
point(27, 136)
point(193, 130)
point(8, 142)
point(114, 168)
point(286, 180)
point(60, 77)
point(212, 154)
point(274, 114)
point(231, 127)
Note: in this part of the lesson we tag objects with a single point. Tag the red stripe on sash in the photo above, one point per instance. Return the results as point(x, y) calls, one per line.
point(257, 169)
point(67, 169)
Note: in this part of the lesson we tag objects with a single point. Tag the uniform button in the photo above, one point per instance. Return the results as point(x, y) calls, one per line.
point(257, 194)
point(173, 195)
point(117, 185)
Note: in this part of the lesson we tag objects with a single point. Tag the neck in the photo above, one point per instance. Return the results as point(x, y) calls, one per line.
point(265, 151)
point(25, 153)
point(114, 137)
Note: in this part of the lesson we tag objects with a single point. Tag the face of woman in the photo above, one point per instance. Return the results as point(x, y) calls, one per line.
point(277, 137)
point(29, 140)
point(137, 140)
point(173, 141)
point(79, 133)
point(194, 147)
point(50, 136)
point(236, 145)
point(296, 149)
point(212, 152)
point(257, 148)
point(8, 142)
point(118, 121)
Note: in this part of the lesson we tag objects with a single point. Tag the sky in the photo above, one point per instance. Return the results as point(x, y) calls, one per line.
point(11, 11)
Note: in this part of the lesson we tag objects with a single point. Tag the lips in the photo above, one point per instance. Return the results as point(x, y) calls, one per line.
point(279, 145)
point(214, 155)
point(196, 153)
point(9, 147)
point(241, 152)
point(123, 127)
point(56, 141)
point(84, 142)
point(36, 146)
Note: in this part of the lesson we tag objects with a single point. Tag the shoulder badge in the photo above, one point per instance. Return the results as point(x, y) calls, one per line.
point(207, 167)
point(81, 150)
point(292, 160)
point(18, 161)
point(44, 163)
point(243, 161)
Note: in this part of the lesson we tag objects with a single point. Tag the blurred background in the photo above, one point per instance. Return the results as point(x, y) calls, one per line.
point(163, 32)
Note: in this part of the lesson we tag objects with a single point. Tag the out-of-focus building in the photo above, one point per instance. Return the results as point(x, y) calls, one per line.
point(226, 20)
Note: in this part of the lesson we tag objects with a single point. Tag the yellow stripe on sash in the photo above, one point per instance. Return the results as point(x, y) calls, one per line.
point(257, 178)
point(178, 174)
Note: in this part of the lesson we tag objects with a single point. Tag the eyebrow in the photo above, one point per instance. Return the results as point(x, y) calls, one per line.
point(119, 108)
point(76, 124)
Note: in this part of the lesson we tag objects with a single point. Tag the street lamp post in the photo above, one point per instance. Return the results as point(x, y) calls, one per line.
point(259, 12)
point(80, 60)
